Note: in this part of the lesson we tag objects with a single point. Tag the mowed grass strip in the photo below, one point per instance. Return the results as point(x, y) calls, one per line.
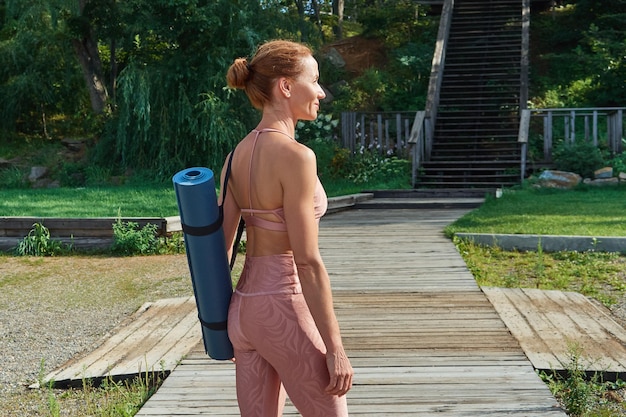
point(587, 211)
point(124, 201)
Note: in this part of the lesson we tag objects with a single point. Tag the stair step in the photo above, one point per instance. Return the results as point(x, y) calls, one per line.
point(468, 149)
point(479, 57)
point(460, 77)
point(467, 184)
point(449, 141)
point(470, 114)
point(472, 165)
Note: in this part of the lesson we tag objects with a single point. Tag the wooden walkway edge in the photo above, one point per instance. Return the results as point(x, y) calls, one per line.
point(552, 326)
point(423, 338)
point(153, 340)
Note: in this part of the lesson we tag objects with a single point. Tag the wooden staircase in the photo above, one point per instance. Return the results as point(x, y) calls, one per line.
point(475, 135)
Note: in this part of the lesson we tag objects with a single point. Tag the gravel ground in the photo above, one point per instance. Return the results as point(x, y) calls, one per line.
point(52, 309)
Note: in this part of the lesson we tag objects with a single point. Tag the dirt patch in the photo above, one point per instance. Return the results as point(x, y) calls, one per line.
point(359, 53)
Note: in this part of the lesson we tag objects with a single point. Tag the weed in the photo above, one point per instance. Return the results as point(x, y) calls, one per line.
point(111, 398)
point(12, 177)
point(582, 396)
point(130, 239)
point(174, 244)
point(39, 243)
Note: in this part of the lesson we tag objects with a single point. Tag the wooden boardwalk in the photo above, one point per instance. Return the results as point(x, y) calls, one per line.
point(423, 338)
point(553, 325)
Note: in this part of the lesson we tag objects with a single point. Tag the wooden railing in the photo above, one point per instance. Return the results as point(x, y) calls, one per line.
point(554, 126)
point(383, 132)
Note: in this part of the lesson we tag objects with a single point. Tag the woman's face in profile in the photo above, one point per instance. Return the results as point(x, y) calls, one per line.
point(306, 92)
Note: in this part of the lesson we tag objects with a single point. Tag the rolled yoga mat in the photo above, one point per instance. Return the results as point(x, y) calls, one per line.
point(206, 255)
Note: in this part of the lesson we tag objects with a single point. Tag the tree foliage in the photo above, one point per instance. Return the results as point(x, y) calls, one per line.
point(579, 49)
point(38, 72)
point(161, 66)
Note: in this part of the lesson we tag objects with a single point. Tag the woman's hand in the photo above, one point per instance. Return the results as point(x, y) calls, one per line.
point(341, 373)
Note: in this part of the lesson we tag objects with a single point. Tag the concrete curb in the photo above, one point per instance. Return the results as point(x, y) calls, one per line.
point(549, 243)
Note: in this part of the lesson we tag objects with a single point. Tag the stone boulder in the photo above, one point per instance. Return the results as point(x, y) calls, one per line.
point(37, 173)
point(602, 181)
point(335, 58)
point(559, 179)
point(603, 173)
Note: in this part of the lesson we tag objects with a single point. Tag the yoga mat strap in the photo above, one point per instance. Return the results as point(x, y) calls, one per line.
point(204, 230)
point(221, 325)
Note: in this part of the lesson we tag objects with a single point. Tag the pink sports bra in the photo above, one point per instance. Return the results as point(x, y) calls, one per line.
point(248, 214)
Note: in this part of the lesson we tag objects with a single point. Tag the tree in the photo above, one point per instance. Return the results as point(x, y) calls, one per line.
point(172, 105)
point(37, 67)
point(86, 47)
point(338, 9)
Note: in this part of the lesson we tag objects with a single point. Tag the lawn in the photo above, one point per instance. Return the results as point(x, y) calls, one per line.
point(152, 200)
point(586, 211)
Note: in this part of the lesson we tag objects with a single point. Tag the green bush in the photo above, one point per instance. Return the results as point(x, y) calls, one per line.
point(321, 128)
point(365, 167)
point(12, 178)
point(130, 239)
point(369, 167)
point(39, 243)
point(582, 158)
point(618, 163)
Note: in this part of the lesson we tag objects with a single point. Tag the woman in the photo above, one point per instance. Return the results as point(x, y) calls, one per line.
point(281, 319)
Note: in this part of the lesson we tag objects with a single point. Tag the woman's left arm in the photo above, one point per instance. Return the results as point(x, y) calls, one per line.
point(298, 202)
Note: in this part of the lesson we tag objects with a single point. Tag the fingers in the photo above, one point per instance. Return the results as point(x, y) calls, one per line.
point(341, 374)
point(339, 385)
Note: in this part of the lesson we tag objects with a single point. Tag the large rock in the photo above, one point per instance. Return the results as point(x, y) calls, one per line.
point(602, 181)
point(559, 179)
point(603, 173)
point(335, 58)
point(37, 173)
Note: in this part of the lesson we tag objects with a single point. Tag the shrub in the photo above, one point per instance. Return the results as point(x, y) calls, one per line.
point(321, 128)
point(582, 158)
point(370, 167)
point(130, 239)
point(12, 177)
point(618, 163)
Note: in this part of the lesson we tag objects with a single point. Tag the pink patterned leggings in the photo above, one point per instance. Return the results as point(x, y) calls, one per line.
point(278, 349)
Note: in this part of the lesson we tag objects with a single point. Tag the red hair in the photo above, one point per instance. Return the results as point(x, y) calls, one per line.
point(271, 61)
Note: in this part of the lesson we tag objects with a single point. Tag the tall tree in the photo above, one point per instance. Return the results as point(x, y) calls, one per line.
point(338, 9)
point(85, 45)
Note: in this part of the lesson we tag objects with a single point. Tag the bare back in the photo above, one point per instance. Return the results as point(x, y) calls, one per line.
point(264, 164)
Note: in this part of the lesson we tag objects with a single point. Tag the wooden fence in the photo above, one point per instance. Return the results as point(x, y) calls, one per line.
point(383, 132)
point(601, 126)
point(409, 134)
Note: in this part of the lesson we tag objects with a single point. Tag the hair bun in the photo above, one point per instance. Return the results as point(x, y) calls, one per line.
point(238, 73)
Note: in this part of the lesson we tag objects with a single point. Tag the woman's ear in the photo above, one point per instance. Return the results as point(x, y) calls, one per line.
point(284, 86)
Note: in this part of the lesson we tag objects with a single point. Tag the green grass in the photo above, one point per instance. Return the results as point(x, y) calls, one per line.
point(587, 211)
point(127, 201)
point(595, 274)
